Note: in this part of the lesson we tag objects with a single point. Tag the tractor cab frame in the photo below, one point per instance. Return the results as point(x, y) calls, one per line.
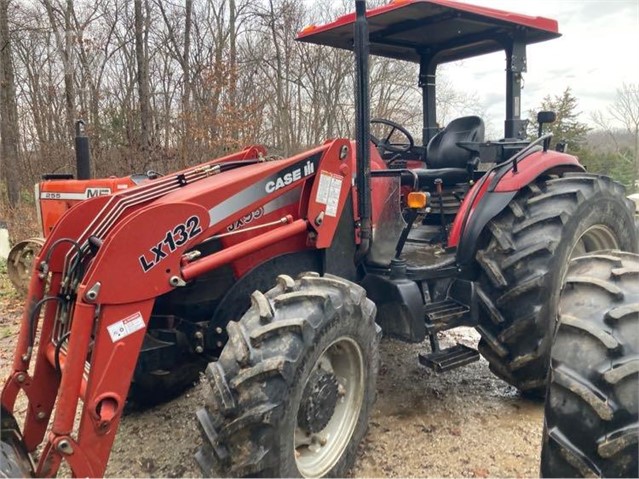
point(431, 33)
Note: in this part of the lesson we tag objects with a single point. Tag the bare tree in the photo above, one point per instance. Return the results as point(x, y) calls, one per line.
point(186, 80)
point(142, 61)
point(8, 110)
point(65, 38)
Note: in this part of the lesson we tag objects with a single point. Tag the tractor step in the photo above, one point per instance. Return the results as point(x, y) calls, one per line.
point(450, 358)
point(445, 314)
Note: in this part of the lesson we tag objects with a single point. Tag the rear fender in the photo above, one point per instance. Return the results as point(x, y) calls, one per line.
point(490, 195)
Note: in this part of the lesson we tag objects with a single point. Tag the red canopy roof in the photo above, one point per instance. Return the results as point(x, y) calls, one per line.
point(404, 28)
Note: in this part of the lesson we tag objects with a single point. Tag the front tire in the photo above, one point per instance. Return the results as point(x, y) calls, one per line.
point(292, 390)
point(591, 415)
point(523, 257)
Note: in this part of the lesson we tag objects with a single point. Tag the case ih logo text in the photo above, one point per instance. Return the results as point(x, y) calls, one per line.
point(172, 240)
point(290, 177)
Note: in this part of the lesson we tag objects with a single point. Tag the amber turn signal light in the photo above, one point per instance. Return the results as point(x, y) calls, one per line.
point(417, 200)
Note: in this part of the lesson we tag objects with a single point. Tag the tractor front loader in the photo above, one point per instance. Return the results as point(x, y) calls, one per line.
point(277, 276)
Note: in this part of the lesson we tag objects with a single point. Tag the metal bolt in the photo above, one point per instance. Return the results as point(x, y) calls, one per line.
point(219, 344)
point(64, 447)
point(341, 390)
point(320, 219)
point(41, 415)
point(198, 335)
point(199, 349)
point(92, 294)
point(219, 330)
point(176, 281)
point(21, 377)
point(343, 152)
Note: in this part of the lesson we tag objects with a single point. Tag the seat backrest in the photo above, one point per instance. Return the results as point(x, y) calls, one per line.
point(442, 150)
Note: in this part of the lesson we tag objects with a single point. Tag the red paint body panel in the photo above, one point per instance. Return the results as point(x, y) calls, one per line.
point(534, 165)
point(468, 206)
point(328, 194)
point(134, 239)
point(58, 196)
point(528, 169)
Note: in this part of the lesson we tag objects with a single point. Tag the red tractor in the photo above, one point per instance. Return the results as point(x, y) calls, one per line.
point(56, 194)
point(278, 276)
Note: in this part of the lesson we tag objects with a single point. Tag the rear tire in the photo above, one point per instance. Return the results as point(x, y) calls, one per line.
point(523, 259)
point(591, 415)
point(292, 390)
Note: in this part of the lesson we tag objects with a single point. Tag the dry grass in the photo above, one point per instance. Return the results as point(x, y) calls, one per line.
point(22, 220)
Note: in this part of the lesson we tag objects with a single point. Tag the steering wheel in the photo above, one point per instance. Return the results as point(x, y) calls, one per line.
point(385, 144)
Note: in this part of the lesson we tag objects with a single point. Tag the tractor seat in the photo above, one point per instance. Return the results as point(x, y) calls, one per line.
point(445, 159)
point(442, 150)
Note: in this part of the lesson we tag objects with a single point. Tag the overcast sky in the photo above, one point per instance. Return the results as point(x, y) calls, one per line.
point(597, 53)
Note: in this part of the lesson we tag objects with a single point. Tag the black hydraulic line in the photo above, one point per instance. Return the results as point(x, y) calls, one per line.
point(75, 244)
point(33, 315)
point(76, 260)
point(58, 348)
point(362, 126)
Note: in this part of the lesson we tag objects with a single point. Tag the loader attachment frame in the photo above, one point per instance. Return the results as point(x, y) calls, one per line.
point(108, 259)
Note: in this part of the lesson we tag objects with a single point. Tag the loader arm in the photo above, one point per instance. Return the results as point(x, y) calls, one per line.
point(108, 259)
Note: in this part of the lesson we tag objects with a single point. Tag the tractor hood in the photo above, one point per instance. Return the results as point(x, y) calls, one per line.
point(447, 30)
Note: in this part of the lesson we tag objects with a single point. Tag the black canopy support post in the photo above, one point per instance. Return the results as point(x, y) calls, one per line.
point(82, 153)
point(428, 84)
point(515, 127)
point(362, 126)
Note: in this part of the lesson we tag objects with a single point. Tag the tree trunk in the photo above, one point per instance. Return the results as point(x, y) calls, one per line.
point(142, 78)
point(233, 66)
point(8, 110)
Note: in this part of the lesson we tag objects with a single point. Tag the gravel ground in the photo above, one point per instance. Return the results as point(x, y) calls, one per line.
point(464, 423)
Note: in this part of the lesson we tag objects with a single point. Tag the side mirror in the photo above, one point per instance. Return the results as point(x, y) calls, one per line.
point(545, 117)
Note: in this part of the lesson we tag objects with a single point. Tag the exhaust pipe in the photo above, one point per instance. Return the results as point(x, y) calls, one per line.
point(82, 153)
point(362, 126)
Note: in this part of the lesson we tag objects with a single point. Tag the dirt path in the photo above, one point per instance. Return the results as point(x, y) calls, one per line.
point(464, 423)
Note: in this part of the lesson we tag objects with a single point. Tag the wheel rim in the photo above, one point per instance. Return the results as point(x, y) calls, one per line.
point(316, 453)
point(595, 238)
point(20, 262)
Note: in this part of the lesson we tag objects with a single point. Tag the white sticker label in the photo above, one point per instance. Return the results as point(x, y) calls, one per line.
point(328, 192)
point(322, 189)
point(126, 326)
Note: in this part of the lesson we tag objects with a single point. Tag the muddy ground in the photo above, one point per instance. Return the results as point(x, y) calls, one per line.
point(464, 423)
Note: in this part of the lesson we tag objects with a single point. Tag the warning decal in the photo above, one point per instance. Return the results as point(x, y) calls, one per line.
point(328, 191)
point(126, 326)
